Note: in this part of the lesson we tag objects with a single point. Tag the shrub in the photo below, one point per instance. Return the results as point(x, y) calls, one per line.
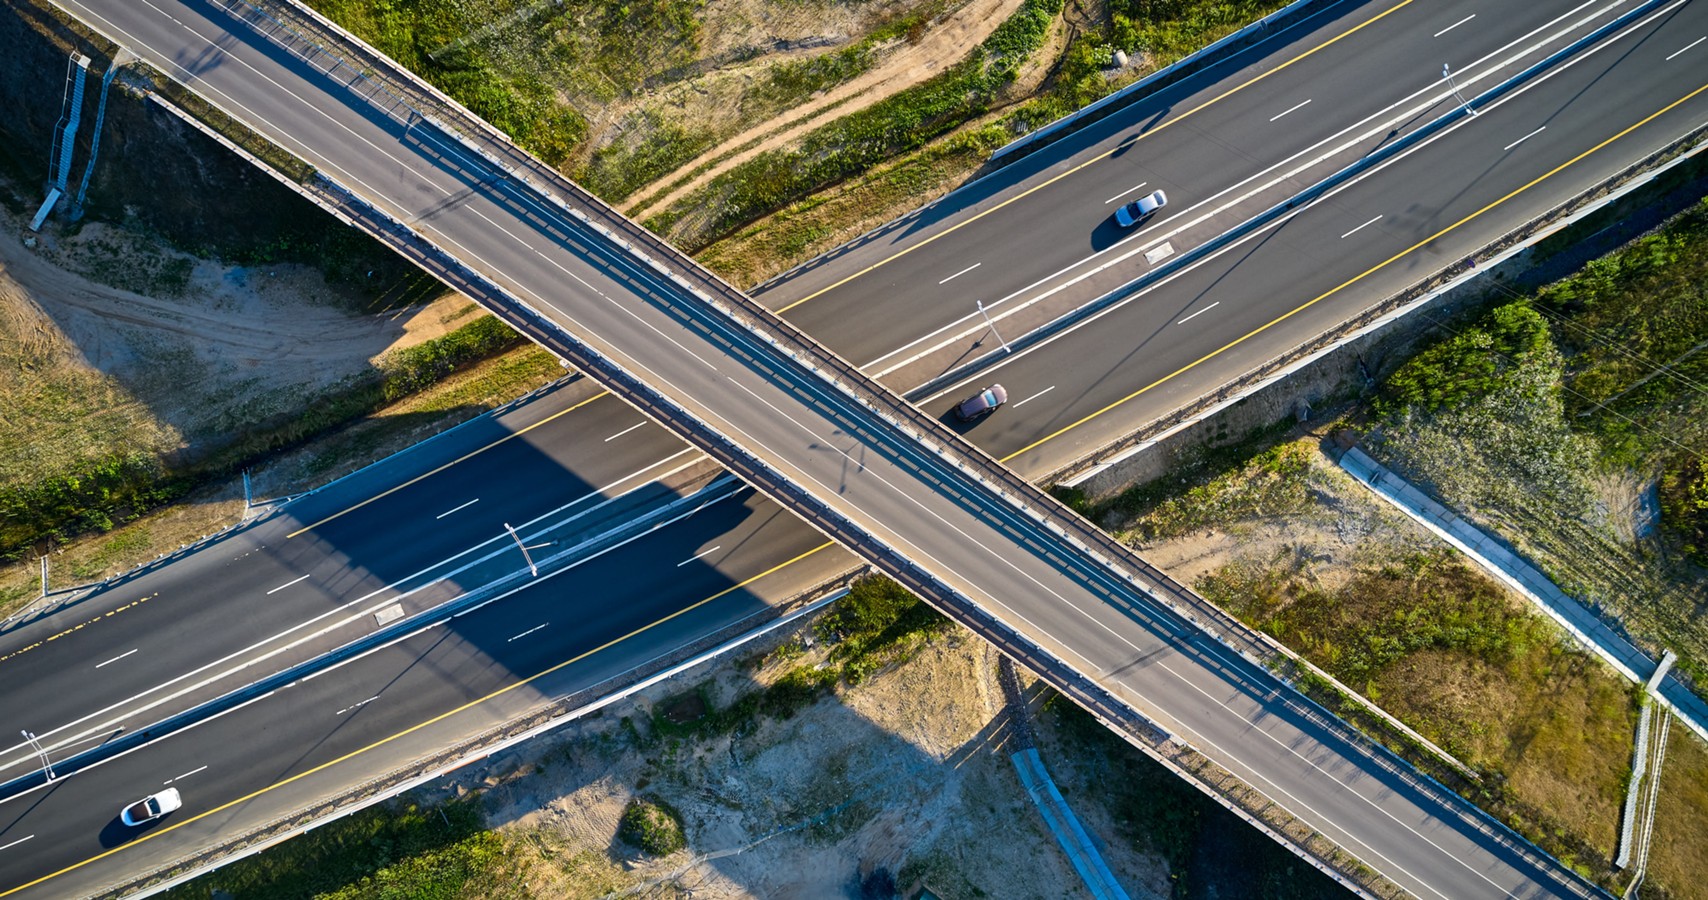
point(652, 826)
point(875, 624)
point(1469, 364)
point(1684, 506)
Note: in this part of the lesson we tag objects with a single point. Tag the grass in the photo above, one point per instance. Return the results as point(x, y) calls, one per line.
point(455, 46)
point(806, 228)
point(118, 474)
point(393, 850)
point(1678, 856)
point(1273, 483)
point(1448, 651)
point(898, 124)
point(877, 625)
point(1530, 419)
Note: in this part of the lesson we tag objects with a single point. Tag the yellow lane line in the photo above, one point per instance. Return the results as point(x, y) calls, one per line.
point(1354, 279)
point(1101, 156)
point(81, 625)
point(414, 728)
point(465, 457)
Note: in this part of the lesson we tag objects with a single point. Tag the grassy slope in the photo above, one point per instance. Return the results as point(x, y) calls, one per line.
point(1595, 380)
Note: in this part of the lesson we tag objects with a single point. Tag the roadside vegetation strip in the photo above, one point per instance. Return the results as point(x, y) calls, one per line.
point(1545, 367)
point(900, 123)
point(398, 849)
point(123, 486)
point(1273, 532)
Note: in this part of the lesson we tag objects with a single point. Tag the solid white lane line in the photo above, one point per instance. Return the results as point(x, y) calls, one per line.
point(960, 273)
point(455, 509)
point(1360, 228)
point(358, 705)
point(529, 631)
point(1289, 109)
point(1036, 396)
point(1454, 25)
point(116, 658)
point(15, 843)
point(185, 775)
point(1687, 47)
point(1426, 97)
point(1199, 313)
point(623, 432)
point(1525, 138)
point(698, 555)
point(1125, 192)
point(285, 585)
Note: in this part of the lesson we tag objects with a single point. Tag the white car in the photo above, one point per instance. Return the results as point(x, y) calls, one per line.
point(151, 807)
point(1133, 213)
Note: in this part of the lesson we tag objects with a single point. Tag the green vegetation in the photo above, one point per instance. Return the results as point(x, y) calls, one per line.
point(1166, 30)
point(652, 826)
point(118, 485)
point(1274, 482)
point(1360, 629)
point(898, 124)
point(1445, 649)
point(412, 369)
point(1684, 506)
point(809, 227)
point(458, 47)
point(1524, 418)
point(877, 624)
point(1470, 364)
point(394, 850)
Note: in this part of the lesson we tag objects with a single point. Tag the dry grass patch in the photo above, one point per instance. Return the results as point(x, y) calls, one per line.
point(830, 218)
point(1678, 858)
point(1296, 548)
point(1553, 723)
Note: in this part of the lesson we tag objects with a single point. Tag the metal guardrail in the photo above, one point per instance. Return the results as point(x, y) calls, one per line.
point(1165, 77)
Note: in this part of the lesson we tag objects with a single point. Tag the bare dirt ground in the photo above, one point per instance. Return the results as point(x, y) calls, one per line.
point(907, 773)
point(902, 67)
point(202, 344)
point(111, 344)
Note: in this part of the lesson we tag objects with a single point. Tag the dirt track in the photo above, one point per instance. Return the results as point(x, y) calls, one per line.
point(901, 68)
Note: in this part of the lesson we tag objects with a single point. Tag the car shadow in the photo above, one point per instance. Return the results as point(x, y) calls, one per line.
point(957, 424)
point(117, 832)
point(1108, 233)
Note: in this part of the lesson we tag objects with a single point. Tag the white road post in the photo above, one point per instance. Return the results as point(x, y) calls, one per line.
point(992, 326)
point(47, 764)
point(1447, 73)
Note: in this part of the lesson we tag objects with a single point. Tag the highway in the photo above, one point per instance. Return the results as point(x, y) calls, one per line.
point(350, 561)
point(1011, 420)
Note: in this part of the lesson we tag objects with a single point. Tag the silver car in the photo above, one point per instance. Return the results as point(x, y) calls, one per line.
point(982, 403)
point(1133, 213)
point(151, 807)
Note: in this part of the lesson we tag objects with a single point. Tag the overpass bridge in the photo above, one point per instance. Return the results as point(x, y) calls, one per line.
point(1166, 669)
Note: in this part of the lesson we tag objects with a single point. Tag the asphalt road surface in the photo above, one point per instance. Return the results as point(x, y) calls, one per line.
point(1012, 420)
